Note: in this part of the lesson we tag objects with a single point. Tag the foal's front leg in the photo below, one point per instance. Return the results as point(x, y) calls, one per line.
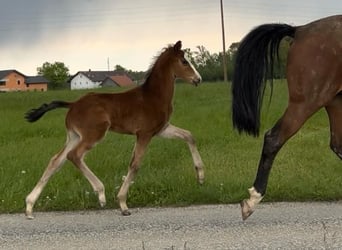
point(171, 131)
point(138, 152)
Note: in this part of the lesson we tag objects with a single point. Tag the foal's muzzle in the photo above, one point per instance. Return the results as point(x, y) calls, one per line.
point(196, 80)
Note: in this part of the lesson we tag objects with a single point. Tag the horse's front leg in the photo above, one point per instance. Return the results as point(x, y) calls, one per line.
point(138, 152)
point(171, 131)
point(334, 110)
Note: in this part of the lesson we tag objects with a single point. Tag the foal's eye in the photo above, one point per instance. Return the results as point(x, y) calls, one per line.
point(185, 62)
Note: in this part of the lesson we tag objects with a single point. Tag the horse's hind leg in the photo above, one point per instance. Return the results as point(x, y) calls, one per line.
point(54, 164)
point(292, 120)
point(334, 110)
point(174, 132)
point(88, 140)
point(138, 153)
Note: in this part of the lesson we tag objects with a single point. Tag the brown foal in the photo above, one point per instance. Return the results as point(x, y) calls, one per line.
point(143, 111)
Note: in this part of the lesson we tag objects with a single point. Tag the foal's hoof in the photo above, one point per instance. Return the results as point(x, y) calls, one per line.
point(200, 177)
point(102, 199)
point(126, 213)
point(29, 216)
point(29, 212)
point(102, 204)
point(246, 210)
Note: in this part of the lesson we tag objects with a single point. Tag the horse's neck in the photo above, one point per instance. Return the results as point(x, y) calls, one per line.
point(160, 86)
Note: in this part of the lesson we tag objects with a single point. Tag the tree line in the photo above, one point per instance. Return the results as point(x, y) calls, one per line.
point(209, 65)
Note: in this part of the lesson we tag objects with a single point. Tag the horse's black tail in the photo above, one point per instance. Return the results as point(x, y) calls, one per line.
point(35, 114)
point(254, 63)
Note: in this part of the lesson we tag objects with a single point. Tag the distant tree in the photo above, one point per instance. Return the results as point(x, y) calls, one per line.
point(190, 56)
point(231, 55)
point(232, 51)
point(202, 56)
point(57, 74)
point(119, 68)
point(136, 76)
point(209, 65)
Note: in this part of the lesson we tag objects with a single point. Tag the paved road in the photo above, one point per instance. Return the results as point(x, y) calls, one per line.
point(273, 225)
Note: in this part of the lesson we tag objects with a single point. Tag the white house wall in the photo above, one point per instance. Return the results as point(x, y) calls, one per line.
point(80, 81)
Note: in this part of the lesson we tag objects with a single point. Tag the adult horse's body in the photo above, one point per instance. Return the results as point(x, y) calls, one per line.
point(314, 76)
point(143, 111)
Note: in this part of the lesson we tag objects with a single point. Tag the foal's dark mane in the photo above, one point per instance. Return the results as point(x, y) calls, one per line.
point(156, 61)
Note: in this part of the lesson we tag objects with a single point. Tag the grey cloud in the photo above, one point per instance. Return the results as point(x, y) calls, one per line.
point(23, 21)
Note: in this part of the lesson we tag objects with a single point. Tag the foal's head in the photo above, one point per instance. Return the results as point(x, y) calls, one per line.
point(180, 66)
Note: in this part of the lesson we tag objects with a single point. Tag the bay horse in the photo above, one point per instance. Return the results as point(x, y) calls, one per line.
point(314, 77)
point(143, 111)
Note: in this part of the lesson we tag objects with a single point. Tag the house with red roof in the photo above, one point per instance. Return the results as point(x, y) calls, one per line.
point(96, 79)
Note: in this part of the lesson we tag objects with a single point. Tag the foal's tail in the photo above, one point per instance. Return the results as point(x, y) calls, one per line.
point(254, 63)
point(35, 114)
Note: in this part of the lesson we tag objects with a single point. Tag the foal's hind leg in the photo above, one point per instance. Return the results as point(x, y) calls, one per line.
point(55, 163)
point(138, 152)
point(88, 140)
point(334, 110)
point(173, 132)
point(293, 119)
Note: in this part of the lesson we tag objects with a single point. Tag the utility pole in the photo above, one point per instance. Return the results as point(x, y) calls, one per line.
point(108, 63)
point(225, 78)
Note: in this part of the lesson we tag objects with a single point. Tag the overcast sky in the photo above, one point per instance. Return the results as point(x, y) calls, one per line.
point(84, 34)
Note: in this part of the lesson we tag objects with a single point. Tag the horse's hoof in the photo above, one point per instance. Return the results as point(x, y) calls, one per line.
point(126, 213)
point(102, 199)
point(29, 212)
point(29, 216)
point(246, 210)
point(200, 177)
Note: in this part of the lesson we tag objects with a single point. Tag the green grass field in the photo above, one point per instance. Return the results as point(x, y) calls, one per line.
point(305, 169)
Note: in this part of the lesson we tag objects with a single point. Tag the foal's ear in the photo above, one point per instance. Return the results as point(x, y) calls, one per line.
point(178, 46)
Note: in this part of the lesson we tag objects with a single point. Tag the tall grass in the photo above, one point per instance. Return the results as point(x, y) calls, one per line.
point(305, 169)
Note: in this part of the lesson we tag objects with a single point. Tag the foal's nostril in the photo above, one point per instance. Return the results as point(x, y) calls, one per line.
point(196, 80)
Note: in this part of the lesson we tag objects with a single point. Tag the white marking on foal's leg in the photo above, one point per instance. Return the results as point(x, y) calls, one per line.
point(248, 205)
point(54, 164)
point(197, 162)
point(138, 152)
point(171, 132)
point(95, 182)
point(122, 195)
